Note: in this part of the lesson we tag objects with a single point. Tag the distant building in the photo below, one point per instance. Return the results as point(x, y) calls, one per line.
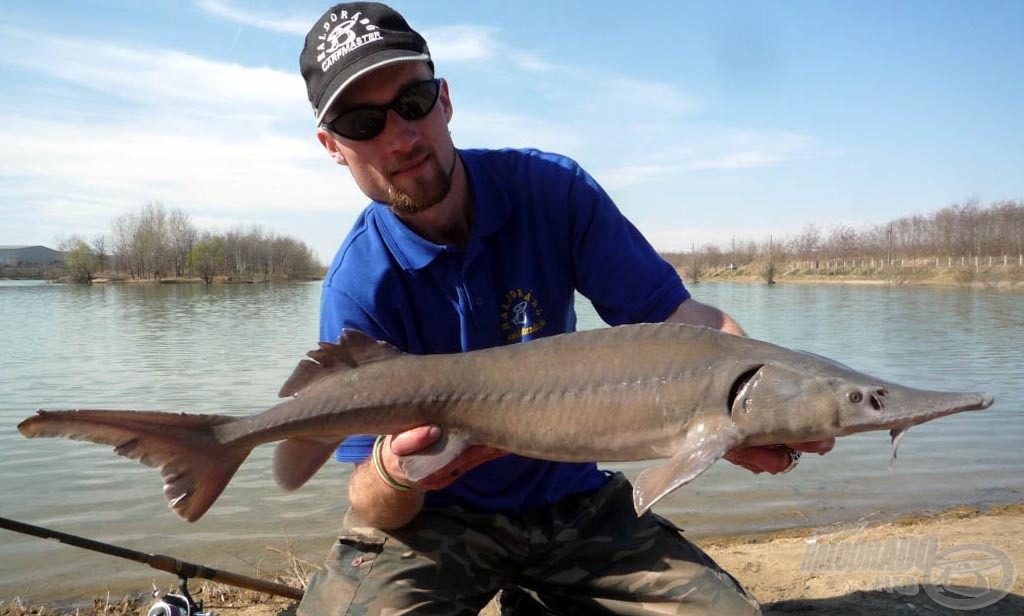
point(29, 255)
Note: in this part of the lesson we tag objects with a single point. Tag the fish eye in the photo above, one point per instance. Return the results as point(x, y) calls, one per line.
point(855, 397)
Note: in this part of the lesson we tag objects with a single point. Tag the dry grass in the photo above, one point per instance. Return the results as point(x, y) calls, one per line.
point(107, 606)
point(996, 276)
point(224, 600)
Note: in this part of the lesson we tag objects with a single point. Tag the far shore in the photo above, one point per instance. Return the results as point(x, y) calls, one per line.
point(774, 566)
point(997, 276)
point(1008, 278)
point(218, 280)
point(1003, 273)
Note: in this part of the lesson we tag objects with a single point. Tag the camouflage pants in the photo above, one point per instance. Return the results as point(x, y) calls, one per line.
point(588, 554)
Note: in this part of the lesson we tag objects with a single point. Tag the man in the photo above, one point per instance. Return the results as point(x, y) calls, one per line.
point(467, 249)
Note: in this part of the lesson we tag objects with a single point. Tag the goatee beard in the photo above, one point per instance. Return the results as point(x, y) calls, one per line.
point(404, 203)
point(425, 194)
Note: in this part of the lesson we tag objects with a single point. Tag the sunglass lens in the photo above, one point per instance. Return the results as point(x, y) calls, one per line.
point(368, 122)
point(360, 124)
point(417, 101)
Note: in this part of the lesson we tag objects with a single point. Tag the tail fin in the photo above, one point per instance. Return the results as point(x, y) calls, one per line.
point(194, 464)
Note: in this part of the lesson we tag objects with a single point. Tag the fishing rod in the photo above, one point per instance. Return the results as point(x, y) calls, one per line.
point(169, 605)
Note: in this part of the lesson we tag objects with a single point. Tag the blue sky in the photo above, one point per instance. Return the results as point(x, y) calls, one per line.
point(704, 120)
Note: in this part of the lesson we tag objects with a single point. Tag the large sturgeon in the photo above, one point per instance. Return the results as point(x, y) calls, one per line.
point(633, 392)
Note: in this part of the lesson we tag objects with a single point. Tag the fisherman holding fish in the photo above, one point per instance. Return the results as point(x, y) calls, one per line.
point(475, 470)
point(468, 249)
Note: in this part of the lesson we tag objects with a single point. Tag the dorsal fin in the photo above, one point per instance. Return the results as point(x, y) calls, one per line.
point(354, 349)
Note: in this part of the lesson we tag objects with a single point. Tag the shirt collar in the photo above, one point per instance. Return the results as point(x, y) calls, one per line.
point(410, 250)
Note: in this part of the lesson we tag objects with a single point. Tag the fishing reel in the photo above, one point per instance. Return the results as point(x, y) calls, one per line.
point(177, 604)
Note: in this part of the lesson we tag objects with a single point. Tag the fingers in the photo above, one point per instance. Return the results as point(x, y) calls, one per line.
point(775, 459)
point(419, 438)
point(818, 447)
point(411, 441)
point(763, 459)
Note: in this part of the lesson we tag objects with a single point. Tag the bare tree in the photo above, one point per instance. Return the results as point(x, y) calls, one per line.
point(99, 248)
point(807, 243)
point(123, 232)
point(182, 235)
point(843, 241)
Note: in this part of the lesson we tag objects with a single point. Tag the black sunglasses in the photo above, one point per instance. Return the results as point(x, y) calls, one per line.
point(363, 123)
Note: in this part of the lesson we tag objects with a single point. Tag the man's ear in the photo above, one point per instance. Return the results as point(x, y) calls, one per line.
point(330, 144)
point(446, 100)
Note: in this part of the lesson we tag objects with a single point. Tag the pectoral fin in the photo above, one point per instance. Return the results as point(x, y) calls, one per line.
point(432, 459)
point(705, 442)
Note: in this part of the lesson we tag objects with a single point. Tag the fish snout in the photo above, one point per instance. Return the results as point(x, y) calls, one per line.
point(893, 406)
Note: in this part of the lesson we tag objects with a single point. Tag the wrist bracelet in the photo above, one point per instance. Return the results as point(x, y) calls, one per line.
point(378, 464)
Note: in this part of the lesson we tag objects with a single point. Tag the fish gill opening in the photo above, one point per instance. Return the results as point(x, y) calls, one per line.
point(740, 383)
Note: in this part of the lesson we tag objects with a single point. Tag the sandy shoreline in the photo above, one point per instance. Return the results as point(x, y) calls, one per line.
point(769, 565)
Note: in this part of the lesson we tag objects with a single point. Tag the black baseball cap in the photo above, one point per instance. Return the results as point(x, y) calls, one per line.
point(350, 40)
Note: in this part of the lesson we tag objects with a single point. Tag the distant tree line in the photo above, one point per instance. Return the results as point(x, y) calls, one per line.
point(965, 230)
point(152, 242)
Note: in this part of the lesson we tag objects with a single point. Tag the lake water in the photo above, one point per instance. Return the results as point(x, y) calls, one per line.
point(227, 348)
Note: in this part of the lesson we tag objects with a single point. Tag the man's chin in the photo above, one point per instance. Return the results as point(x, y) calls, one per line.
point(419, 201)
point(402, 204)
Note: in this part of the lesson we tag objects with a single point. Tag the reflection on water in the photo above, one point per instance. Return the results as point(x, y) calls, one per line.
point(227, 348)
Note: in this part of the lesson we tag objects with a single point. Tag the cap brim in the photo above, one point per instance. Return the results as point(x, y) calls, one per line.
point(365, 65)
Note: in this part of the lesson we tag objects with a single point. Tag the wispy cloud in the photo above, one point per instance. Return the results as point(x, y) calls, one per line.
point(293, 24)
point(658, 97)
point(153, 77)
point(714, 150)
point(462, 43)
point(498, 129)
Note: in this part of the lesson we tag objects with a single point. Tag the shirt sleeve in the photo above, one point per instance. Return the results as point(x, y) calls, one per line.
point(616, 268)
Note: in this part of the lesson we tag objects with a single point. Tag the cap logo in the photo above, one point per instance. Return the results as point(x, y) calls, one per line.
point(340, 37)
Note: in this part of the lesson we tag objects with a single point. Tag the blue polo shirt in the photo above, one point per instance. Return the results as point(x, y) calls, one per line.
point(542, 230)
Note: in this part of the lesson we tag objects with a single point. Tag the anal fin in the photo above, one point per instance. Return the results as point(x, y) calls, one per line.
point(298, 459)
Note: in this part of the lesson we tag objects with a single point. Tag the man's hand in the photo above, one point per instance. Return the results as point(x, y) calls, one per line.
point(775, 458)
point(411, 441)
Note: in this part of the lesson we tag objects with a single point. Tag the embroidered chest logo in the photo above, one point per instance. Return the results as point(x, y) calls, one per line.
point(521, 315)
point(343, 34)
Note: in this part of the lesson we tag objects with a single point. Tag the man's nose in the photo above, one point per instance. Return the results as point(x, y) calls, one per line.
point(399, 133)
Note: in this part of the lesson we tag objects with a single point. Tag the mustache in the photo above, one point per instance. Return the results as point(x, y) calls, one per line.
point(402, 160)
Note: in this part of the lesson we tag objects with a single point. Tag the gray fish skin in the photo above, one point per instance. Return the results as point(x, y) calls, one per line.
point(633, 392)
